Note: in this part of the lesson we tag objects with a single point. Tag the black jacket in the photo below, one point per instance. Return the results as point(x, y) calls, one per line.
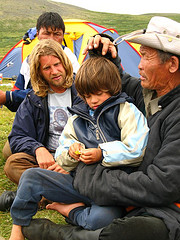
point(155, 187)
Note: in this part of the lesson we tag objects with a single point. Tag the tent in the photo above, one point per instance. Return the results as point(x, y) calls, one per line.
point(76, 36)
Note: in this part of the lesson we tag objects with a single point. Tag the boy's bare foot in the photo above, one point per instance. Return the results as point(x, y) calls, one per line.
point(16, 233)
point(63, 208)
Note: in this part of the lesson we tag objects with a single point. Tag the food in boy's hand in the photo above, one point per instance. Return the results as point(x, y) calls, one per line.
point(78, 152)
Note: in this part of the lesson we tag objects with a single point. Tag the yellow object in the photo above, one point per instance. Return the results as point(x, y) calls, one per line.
point(78, 152)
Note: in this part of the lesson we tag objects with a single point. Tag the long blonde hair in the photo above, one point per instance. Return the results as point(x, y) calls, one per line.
point(48, 47)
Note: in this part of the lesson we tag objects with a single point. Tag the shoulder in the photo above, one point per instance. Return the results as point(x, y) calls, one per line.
point(32, 97)
point(129, 108)
point(75, 98)
point(25, 65)
point(69, 52)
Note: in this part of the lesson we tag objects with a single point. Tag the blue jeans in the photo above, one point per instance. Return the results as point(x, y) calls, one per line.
point(57, 187)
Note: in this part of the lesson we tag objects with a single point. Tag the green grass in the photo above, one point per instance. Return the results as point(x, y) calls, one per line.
point(6, 120)
point(16, 17)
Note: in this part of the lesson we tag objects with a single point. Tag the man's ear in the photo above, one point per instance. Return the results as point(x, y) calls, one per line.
point(173, 64)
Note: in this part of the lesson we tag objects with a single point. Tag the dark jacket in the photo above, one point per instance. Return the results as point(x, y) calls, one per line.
point(155, 187)
point(31, 124)
point(102, 123)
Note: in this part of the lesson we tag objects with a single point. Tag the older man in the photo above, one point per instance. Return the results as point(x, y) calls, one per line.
point(151, 195)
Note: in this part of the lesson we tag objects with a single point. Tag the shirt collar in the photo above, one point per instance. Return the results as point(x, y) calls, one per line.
point(151, 102)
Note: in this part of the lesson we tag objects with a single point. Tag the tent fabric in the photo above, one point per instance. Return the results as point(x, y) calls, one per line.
point(76, 36)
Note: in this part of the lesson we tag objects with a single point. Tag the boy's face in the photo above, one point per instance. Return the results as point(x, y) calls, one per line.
point(94, 100)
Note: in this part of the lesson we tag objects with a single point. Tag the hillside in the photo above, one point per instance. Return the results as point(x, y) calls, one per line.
point(17, 16)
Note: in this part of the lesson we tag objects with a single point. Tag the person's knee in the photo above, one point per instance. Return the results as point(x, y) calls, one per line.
point(6, 152)
point(8, 167)
point(12, 169)
point(139, 227)
point(17, 163)
point(29, 174)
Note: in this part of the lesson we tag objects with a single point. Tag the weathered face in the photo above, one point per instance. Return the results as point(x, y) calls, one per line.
point(154, 74)
point(53, 72)
point(56, 34)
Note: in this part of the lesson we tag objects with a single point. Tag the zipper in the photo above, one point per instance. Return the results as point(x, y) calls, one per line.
point(97, 134)
point(98, 131)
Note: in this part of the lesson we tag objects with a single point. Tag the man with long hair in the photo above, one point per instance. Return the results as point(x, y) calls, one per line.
point(43, 114)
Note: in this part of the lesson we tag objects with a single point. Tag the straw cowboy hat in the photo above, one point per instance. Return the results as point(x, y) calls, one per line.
point(162, 33)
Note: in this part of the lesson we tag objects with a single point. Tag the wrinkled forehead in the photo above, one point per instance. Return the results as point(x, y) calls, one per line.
point(145, 49)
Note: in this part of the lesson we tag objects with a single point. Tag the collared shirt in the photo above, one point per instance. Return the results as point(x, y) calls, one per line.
point(151, 102)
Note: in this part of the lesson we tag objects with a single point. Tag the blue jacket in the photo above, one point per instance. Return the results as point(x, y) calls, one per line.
point(31, 123)
point(113, 119)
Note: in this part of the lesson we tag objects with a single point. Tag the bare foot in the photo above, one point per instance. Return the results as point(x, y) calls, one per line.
point(16, 233)
point(63, 208)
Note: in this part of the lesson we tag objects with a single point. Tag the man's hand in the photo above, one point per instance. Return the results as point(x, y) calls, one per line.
point(44, 157)
point(90, 155)
point(57, 168)
point(2, 97)
point(108, 46)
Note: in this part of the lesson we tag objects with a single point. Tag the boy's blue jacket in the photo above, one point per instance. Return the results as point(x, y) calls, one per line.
point(117, 127)
point(31, 123)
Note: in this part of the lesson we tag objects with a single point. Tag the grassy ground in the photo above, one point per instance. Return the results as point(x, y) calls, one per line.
point(6, 120)
point(16, 17)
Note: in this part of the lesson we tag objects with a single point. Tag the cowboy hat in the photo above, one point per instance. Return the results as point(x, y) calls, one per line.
point(162, 33)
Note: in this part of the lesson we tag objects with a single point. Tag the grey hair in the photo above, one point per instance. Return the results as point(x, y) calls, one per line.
point(165, 56)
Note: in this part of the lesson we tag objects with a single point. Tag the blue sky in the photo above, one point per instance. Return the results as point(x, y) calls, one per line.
point(128, 6)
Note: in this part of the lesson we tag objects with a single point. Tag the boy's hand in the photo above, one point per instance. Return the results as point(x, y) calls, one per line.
point(91, 155)
point(75, 150)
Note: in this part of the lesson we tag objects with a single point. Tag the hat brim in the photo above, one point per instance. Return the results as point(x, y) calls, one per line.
point(162, 42)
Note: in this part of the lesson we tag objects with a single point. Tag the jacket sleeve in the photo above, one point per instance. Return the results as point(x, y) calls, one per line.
point(18, 93)
point(15, 98)
point(68, 137)
point(24, 130)
point(129, 151)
